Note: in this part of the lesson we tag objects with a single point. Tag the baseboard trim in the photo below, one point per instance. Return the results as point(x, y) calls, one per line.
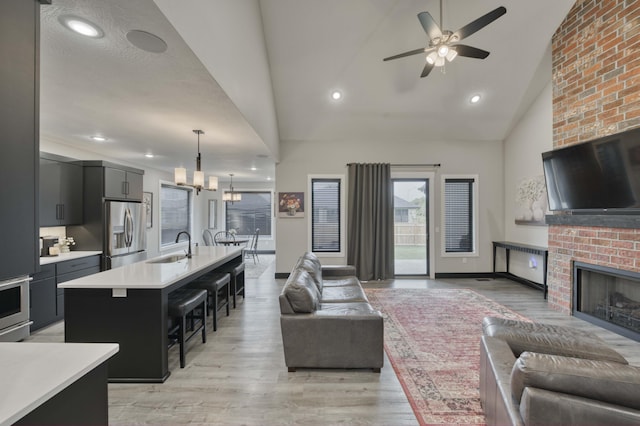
point(465, 275)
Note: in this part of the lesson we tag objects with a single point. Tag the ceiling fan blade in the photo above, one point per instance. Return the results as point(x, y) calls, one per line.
point(430, 27)
point(470, 52)
point(426, 70)
point(478, 24)
point(409, 53)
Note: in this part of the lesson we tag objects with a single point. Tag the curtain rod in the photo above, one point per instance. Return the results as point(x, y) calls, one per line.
point(407, 165)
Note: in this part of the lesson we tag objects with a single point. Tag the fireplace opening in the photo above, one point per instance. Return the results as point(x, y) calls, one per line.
point(607, 297)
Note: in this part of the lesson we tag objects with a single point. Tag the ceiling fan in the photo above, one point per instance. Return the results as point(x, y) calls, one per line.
point(441, 46)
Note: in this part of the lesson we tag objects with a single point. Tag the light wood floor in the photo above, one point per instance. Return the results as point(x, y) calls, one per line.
point(239, 376)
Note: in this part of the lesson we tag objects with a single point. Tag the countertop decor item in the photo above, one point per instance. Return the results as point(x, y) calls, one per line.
point(65, 244)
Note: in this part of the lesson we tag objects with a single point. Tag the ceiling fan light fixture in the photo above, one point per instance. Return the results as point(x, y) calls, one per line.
point(451, 55)
point(443, 51)
point(431, 58)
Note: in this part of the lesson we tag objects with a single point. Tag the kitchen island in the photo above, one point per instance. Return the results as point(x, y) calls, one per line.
point(128, 306)
point(54, 383)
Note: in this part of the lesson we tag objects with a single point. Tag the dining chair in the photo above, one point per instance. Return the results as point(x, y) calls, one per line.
point(221, 236)
point(207, 236)
point(252, 249)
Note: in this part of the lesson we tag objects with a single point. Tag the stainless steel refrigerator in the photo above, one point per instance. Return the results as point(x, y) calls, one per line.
point(125, 239)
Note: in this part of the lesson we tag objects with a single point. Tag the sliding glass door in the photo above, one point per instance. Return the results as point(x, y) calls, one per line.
point(411, 225)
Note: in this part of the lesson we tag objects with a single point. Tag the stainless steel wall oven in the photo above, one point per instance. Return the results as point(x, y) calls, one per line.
point(14, 309)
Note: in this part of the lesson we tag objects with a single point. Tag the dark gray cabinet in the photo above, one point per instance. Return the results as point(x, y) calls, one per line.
point(19, 119)
point(60, 191)
point(47, 300)
point(42, 297)
point(122, 184)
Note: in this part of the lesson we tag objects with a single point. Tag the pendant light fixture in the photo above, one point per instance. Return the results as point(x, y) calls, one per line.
point(180, 174)
point(231, 195)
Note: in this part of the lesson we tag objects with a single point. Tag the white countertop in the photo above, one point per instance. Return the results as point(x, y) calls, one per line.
point(32, 373)
point(145, 275)
point(67, 256)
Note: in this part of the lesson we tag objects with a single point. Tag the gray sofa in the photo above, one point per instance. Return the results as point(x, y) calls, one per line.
point(326, 319)
point(540, 374)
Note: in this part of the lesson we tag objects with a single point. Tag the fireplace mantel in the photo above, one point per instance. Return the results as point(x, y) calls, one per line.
point(599, 220)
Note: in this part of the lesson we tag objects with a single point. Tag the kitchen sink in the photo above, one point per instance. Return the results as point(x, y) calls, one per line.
point(169, 259)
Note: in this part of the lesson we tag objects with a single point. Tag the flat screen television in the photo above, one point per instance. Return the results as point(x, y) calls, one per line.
point(601, 175)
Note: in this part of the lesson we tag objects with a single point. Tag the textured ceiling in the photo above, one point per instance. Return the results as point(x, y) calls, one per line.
point(142, 102)
point(148, 102)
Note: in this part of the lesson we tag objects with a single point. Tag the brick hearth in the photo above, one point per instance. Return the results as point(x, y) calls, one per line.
point(596, 92)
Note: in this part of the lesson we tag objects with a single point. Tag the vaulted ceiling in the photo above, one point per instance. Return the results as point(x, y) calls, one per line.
point(229, 64)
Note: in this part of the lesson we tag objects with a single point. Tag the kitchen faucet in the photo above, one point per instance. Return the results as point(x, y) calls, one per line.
point(188, 235)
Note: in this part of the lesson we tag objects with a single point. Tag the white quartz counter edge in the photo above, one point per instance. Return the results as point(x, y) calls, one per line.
point(32, 373)
point(148, 275)
point(67, 256)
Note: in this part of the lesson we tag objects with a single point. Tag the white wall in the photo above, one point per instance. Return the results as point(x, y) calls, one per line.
point(485, 159)
point(523, 148)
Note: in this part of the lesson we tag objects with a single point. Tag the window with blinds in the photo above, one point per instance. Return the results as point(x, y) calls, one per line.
point(175, 212)
point(325, 215)
point(252, 212)
point(458, 217)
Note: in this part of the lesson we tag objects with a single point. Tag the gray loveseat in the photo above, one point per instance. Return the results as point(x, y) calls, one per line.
point(326, 319)
point(540, 374)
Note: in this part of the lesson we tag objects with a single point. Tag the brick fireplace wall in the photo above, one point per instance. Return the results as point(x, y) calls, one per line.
point(596, 92)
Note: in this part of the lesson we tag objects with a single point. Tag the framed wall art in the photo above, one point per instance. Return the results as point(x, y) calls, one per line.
point(147, 201)
point(291, 204)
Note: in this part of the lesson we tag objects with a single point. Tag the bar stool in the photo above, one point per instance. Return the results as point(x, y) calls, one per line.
point(237, 280)
point(217, 286)
point(182, 305)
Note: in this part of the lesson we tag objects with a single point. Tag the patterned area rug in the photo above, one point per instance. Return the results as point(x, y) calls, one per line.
point(432, 337)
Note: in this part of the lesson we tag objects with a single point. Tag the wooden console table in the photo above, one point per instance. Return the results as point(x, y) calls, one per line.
point(526, 248)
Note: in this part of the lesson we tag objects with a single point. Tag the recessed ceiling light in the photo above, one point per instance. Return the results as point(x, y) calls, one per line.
point(336, 95)
point(268, 177)
point(149, 155)
point(99, 138)
point(475, 99)
point(81, 26)
point(253, 169)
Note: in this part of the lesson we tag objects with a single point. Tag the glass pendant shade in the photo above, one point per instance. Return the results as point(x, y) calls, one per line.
point(198, 179)
point(213, 183)
point(180, 176)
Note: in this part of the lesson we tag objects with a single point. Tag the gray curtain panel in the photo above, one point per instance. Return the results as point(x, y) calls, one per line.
point(370, 222)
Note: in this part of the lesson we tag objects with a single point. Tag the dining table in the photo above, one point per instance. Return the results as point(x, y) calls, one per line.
point(232, 242)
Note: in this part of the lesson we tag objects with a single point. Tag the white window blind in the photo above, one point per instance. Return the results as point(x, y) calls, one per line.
point(459, 215)
point(252, 212)
point(325, 215)
point(175, 212)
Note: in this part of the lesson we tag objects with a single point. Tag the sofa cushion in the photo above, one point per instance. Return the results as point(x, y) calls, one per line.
point(600, 380)
point(350, 293)
point(347, 309)
point(341, 282)
point(301, 292)
point(314, 270)
point(549, 339)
